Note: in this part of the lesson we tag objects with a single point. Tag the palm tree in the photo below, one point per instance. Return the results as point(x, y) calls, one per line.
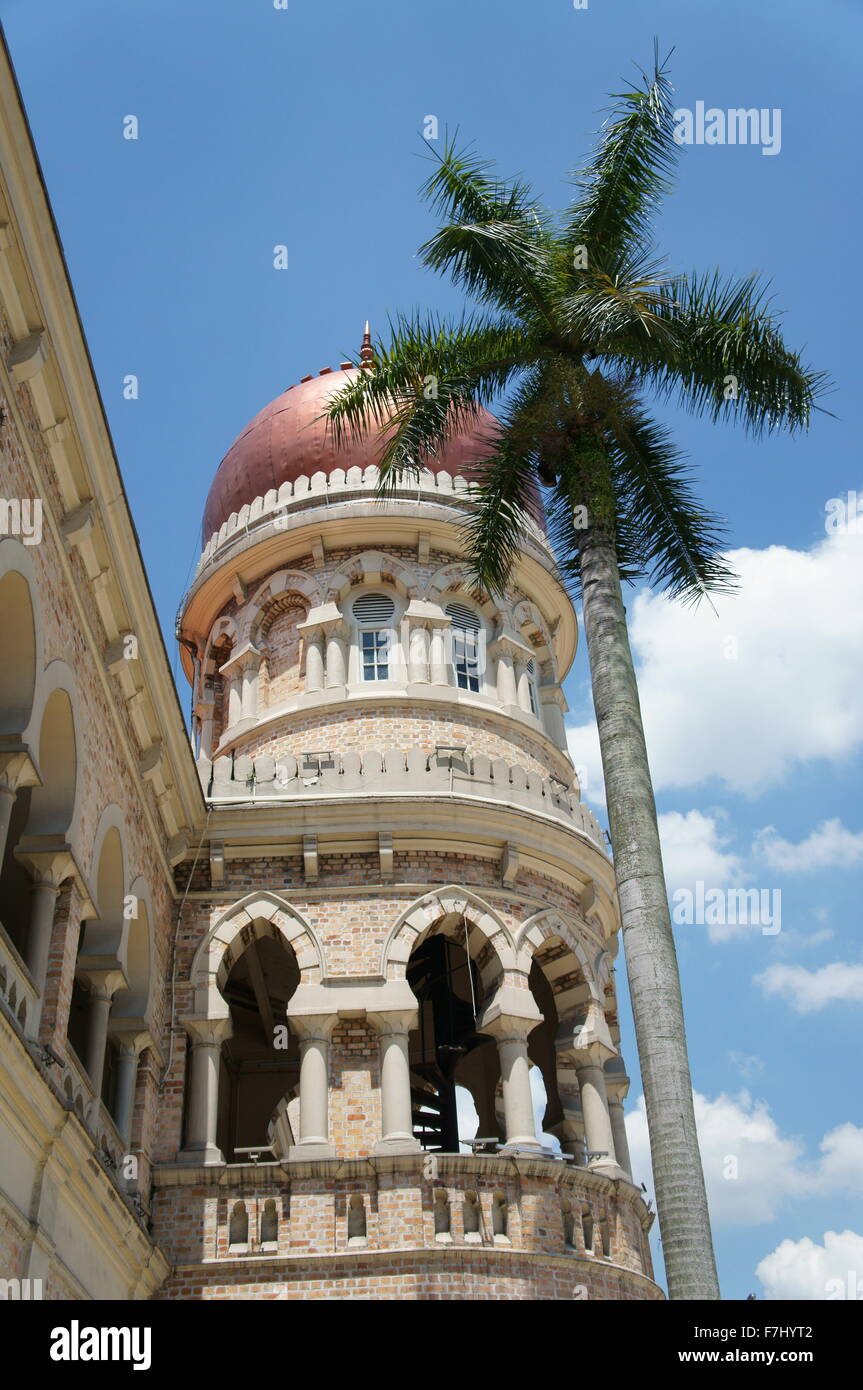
point(580, 322)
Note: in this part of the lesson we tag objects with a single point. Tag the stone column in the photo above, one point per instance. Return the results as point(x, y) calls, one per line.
point(418, 653)
point(523, 686)
point(597, 1121)
point(511, 1031)
point(396, 1117)
point(205, 711)
point(49, 869)
point(129, 1050)
point(313, 1031)
point(508, 648)
point(104, 983)
point(336, 674)
point(234, 699)
point(507, 693)
point(43, 902)
point(7, 801)
point(314, 663)
point(553, 705)
point(439, 668)
point(570, 1130)
point(617, 1087)
point(207, 1036)
point(16, 771)
point(251, 670)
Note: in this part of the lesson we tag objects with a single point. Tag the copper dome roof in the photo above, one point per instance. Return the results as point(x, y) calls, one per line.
point(288, 439)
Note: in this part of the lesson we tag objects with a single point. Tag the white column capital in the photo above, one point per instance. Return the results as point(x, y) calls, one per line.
point(393, 1021)
point(309, 1027)
point(17, 764)
point(207, 1032)
point(49, 860)
point(247, 655)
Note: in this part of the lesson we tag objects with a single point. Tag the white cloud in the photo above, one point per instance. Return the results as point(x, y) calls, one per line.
point(803, 1269)
point(748, 1065)
point(842, 1164)
point(830, 846)
point(693, 848)
point(791, 694)
point(751, 1169)
point(809, 990)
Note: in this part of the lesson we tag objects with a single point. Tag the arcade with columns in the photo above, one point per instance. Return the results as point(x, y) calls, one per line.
point(395, 964)
point(316, 997)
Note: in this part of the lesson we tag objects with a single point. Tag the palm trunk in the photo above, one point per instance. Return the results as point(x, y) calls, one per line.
point(651, 959)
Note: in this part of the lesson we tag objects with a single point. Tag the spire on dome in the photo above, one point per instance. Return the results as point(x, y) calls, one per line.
point(367, 352)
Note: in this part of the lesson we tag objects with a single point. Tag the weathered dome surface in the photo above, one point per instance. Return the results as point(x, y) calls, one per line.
point(288, 439)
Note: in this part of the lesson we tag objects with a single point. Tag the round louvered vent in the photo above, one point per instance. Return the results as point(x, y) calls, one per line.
point(373, 610)
point(462, 617)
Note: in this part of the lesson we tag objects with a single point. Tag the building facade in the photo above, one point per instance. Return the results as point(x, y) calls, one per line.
point(251, 980)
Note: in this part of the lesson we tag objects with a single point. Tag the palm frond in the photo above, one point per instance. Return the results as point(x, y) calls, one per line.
point(724, 356)
point(427, 382)
point(496, 240)
point(630, 173)
point(494, 532)
point(665, 534)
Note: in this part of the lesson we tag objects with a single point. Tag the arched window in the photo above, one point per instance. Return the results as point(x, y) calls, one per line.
point(373, 613)
point(471, 1216)
point(531, 688)
point(238, 1229)
point(270, 1224)
point(356, 1219)
point(499, 1216)
point(587, 1231)
point(465, 627)
point(441, 1214)
point(568, 1219)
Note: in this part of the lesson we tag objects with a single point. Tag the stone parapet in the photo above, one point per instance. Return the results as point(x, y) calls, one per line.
point(392, 771)
point(538, 1227)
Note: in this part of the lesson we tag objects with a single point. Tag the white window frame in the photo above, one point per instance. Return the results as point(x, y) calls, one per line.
point(467, 668)
point(381, 647)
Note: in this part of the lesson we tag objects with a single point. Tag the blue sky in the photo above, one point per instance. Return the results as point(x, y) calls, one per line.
point(261, 126)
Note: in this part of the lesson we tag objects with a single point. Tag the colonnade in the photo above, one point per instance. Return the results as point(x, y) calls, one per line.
point(601, 1105)
point(424, 645)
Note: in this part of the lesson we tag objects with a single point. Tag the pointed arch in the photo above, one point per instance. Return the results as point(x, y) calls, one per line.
point(136, 1001)
point(23, 640)
point(224, 629)
point(455, 578)
point(528, 620)
point(278, 585)
point(371, 567)
point(53, 732)
point(254, 917)
point(546, 927)
point(490, 942)
point(108, 932)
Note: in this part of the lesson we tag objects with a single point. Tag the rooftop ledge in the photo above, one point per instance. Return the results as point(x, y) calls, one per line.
point(391, 771)
point(273, 511)
point(466, 1166)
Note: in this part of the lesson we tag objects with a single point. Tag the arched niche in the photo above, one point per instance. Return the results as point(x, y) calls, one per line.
point(135, 1002)
point(52, 805)
point(19, 665)
point(455, 951)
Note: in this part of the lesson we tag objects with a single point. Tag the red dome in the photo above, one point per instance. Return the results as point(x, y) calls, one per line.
point(288, 439)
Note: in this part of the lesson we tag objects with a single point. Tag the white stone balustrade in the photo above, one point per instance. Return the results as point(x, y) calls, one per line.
point(392, 770)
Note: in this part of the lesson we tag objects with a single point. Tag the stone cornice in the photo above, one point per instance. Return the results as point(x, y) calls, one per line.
point(38, 300)
point(54, 1135)
point(260, 552)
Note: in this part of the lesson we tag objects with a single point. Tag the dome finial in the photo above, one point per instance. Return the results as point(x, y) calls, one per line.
point(367, 352)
